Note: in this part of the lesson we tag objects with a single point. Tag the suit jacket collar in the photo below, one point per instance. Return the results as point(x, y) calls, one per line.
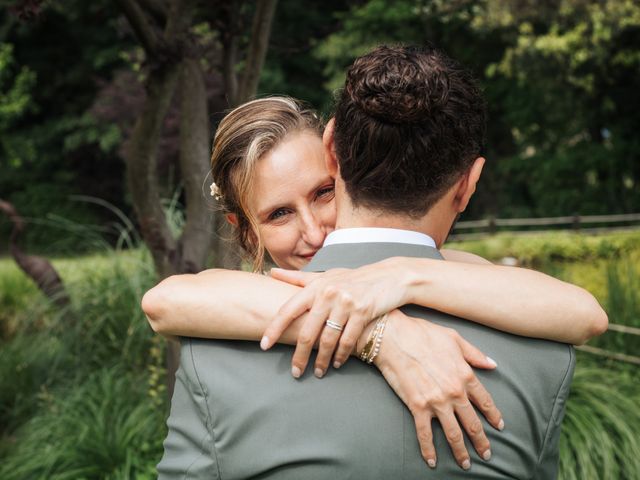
point(354, 255)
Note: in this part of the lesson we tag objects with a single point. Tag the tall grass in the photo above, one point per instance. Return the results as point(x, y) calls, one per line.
point(601, 430)
point(81, 391)
point(101, 428)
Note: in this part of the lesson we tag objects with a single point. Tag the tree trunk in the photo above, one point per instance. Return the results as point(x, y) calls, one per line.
point(260, 33)
point(196, 240)
point(142, 173)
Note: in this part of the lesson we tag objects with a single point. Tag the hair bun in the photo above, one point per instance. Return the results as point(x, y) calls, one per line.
point(398, 91)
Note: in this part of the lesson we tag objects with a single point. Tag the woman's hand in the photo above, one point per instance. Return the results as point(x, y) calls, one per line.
point(429, 368)
point(349, 299)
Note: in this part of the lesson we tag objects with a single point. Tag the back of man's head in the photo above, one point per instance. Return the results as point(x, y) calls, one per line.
point(408, 124)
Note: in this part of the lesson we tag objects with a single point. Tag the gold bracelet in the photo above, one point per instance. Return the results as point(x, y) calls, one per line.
point(368, 347)
point(376, 350)
point(378, 340)
point(372, 347)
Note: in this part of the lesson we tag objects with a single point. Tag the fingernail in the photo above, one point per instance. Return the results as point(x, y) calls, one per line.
point(501, 424)
point(337, 364)
point(487, 455)
point(431, 462)
point(264, 343)
point(492, 361)
point(295, 371)
point(466, 465)
point(318, 372)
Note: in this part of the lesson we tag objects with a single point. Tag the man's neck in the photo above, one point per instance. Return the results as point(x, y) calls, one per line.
point(434, 223)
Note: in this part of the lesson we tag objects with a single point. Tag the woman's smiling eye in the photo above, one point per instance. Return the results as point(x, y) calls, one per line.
point(325, 191)
point(277, 214)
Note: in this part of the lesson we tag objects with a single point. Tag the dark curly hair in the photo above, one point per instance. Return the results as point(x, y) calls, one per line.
point(408, 123)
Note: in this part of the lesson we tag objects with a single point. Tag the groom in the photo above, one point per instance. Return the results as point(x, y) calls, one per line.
point(404, 148)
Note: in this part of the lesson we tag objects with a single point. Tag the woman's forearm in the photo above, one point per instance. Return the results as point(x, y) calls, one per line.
point(515, 300)
point(220, 304)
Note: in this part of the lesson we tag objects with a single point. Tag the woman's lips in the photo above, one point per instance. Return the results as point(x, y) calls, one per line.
point(308, 256)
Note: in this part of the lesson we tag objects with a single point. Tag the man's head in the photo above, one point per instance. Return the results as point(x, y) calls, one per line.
point(409, 127)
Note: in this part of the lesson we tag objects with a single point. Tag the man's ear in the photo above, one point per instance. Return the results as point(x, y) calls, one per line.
point(467, 184)
point(232, 219)
point(330, 158)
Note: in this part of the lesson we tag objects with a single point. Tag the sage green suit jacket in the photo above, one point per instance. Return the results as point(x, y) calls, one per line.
point(237, 413)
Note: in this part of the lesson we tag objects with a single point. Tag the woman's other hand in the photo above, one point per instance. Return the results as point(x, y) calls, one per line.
point(429, 368)
point(348, 299)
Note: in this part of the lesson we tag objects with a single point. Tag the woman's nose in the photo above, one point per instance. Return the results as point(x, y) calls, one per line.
point(313, 232)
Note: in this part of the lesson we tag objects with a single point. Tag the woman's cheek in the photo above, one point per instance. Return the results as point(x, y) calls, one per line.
point(280, 241)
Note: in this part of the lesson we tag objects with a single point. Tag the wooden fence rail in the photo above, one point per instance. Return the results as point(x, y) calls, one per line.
point(574, 222)
point(622, 357)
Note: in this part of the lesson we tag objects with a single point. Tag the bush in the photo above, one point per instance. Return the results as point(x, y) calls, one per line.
point(543, 248)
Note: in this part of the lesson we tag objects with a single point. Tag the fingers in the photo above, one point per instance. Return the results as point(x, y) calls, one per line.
point(482, 399)
point(474, 356)
point(473, 426)
point(352, 331)
point(328, 340)
point(309, 332)
point(292, 309)
point(294, 277)
point(453, 434)
point(425, 438)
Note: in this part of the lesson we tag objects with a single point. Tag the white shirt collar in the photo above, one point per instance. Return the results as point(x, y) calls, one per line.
point(378, 235)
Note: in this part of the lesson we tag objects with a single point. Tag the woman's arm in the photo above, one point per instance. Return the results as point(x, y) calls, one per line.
point(220, 304)
point(515, 300)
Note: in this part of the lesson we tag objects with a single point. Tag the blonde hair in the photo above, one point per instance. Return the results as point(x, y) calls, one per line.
point(244, 136)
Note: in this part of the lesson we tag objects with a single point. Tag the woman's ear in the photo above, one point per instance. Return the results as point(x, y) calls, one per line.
point(232, 219)
point(330, 158)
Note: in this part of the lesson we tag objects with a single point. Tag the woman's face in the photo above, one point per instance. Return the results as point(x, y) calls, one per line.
point(293, 200)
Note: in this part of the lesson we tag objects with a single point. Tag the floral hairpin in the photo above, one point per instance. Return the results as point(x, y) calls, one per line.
point(215, 191)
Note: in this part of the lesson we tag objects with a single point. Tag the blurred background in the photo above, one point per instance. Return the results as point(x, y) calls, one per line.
point(107, 111)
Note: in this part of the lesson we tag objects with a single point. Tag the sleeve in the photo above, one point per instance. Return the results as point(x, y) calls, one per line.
point(189, 450)
point(547, 468)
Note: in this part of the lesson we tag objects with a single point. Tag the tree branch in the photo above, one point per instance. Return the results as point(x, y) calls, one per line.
point(260, 32)
point(39, 269)
point(142, 26)
point(195, 242)
point(157, 8)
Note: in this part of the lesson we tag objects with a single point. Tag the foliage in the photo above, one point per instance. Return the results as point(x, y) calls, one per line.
point(101, 428)
point(600, 430)
point(52, 149)
point(49, 354)
point(571, 69)
point(15, 97)
point(543, 248)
